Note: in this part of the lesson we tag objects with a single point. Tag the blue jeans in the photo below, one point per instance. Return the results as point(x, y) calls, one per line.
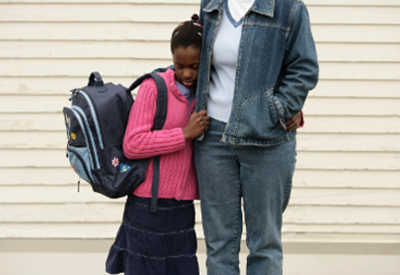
point(263, 177)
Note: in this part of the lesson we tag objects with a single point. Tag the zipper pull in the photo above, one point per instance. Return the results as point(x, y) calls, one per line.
point(74, 92)
point(79, 183)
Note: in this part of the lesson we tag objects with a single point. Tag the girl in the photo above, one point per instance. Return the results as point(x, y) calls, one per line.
point(164, 243)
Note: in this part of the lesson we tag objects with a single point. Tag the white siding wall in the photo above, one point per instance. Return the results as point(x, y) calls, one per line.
point(346, 196)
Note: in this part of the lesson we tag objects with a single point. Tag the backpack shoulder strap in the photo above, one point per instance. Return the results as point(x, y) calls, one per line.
point(160, 117)
point(162, 97)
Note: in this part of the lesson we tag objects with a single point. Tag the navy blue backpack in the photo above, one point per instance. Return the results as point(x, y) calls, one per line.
point(96, 123)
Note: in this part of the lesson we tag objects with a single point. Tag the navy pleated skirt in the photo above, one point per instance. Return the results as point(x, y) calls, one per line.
point(161, 243)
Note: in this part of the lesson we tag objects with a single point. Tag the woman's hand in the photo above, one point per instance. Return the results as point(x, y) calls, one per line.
point(198, 123)
point(294, 122)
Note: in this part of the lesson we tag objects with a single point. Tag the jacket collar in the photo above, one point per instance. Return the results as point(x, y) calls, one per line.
point(265, 7)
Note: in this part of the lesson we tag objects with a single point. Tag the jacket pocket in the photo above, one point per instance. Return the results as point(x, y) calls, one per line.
point(260, 117)
point(279, 111)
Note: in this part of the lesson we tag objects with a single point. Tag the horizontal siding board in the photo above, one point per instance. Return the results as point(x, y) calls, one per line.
point(343, 229)
point(58, 176)
point(53, 194)
point(358, 89)
point(112, 213)
point(354, 15)
point(77, 67)
point(41, 194)
point(36, 140)
point(303, 178)
point(48, 49)
point(352, 106)
point(325, 88)
point(305, 160)
point(104, 13)
point(109, 230)
point(341, 33)
point(345, 197)
point(54, 85)
point(329, 238)
point(135, 31)
point(33, 104)
point(314, 123)
point(351, 124)
point(314, 105)
point(358, 52)
point(327, 52)
point(342, 215)
point(100, 230)
point(33, 158)
point(348, 142)
point(177, 13)
point(305, 142)
point(32, 122)
point(136, 67)
point(78, 32)
point(62, 213)
point(359, 71)
point(349, 160)
point(346, 179)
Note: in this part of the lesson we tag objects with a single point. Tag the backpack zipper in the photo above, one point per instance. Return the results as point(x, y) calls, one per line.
point(94, 115)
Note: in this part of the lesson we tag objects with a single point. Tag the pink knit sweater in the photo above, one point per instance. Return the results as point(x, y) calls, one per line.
point(177, 173)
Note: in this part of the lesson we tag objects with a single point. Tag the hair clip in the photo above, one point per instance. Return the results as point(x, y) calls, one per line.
point(195, 18)
point(198, 25)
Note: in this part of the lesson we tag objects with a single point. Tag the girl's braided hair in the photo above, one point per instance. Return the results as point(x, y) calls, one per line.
point(188, 33)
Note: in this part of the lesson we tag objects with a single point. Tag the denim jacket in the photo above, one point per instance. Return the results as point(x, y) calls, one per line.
point(276, 67)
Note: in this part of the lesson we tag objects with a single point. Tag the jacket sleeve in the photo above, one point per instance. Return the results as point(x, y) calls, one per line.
point(203, 4)
point(300, 69)
point(140, 140)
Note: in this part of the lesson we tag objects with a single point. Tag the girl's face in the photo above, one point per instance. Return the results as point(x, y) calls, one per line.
point(186, 62)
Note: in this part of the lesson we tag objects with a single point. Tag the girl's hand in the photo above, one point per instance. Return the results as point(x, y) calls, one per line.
point(294, 122)
point(198, 123)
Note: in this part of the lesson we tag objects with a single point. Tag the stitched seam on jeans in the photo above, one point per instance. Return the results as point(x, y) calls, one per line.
point(236, 227)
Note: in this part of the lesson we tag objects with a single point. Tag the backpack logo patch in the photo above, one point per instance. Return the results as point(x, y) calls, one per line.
point(115, 162)
point(124, 168)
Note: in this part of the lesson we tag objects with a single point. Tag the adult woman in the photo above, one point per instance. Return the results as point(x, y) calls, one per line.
point(257, 65)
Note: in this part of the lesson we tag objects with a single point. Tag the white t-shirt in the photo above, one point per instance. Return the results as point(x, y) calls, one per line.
point(224, 59)
point(238, 8)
